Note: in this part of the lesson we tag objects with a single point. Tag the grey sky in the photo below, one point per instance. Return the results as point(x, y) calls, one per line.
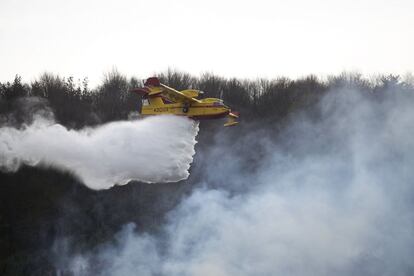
point(231, 38)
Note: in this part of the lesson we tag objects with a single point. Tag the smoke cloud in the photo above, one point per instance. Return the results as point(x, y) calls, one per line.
point(155, 149)
point(332, 197)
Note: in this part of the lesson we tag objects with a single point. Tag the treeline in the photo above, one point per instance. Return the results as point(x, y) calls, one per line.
point(75, 104)
point(41, 207)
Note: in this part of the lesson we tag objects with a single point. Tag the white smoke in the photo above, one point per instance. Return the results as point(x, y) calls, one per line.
point(155, 149)
point(330, 198)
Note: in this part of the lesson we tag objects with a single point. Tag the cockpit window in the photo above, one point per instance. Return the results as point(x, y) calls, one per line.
point(145, 102)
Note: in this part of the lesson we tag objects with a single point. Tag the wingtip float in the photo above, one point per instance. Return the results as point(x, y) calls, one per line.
point(159, 99)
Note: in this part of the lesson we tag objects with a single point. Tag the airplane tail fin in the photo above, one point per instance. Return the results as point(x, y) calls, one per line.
point(232, 119)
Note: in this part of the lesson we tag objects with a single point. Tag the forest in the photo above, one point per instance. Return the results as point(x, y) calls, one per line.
point(39, 205)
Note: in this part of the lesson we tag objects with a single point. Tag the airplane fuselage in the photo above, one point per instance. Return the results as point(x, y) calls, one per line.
point(159, 99)
point(204, 110)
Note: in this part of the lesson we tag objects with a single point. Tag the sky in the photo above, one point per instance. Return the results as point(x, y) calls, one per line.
point(244, 39)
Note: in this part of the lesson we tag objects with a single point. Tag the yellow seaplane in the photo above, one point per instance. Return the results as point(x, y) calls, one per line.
point(159, 99)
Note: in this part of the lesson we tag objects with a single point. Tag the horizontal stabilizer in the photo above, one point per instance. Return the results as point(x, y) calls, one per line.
point(230, 124)
point(232, 119)
point(234, 114)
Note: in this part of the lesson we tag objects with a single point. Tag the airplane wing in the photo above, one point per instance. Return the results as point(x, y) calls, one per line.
point(145, 91)
point(177, 96)
point(153, 87)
